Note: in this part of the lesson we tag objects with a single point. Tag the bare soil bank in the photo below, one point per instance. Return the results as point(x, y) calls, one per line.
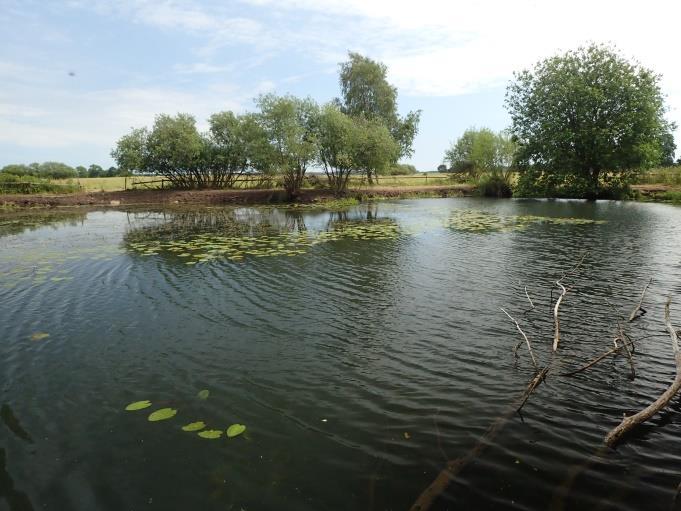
point(155, 197)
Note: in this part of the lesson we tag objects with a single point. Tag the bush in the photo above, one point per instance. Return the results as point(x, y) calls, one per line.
point(494, 185)
point(537, 184)
point(402, 169)
point(10, 183)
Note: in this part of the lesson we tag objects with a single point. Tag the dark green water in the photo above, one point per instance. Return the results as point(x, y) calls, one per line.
point(356, 346)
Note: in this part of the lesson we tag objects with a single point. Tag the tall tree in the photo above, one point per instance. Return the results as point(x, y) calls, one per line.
point(290, 124)
point(365, 92)
point(585, 119)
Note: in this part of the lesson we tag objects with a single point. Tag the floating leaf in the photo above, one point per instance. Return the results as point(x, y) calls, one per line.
point(162, 414)
point(39, 336)
point(204, 394)
point(235, 430)
point(210, 434)
point(194, 426)
point(138, 405)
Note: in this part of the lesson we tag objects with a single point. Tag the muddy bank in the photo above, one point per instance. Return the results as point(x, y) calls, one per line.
point(149, 197)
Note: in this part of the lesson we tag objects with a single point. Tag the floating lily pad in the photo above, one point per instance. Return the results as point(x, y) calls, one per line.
point(210, 434)
point(162, 414)
point(235, 430)
point(138, 405)
point(203, 394)
point(194, 426)
point(39, 336)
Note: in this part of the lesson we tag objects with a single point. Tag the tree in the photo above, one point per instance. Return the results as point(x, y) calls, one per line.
point(56, 170)
point(480, 151)
point(668, 150)
point(236, 144)
point(585, 119)
point(17, 169)
point(346, 145)
point(335, 136)
point(82, 171)
point(366, 93)
point(290, 125)
point(94, 171)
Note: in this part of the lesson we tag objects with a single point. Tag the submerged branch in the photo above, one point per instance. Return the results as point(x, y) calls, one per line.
point(455, 466)
point(639, 307)
point(629, 423)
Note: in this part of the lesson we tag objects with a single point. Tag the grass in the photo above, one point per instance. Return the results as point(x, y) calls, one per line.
point(105, 184)
point(663, 175)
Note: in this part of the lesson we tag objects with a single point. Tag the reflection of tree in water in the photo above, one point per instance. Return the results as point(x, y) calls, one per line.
point(19, 222)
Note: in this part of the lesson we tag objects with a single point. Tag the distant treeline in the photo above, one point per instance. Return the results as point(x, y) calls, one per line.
point(57, 170)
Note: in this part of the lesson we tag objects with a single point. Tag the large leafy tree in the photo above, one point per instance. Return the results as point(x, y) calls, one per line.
point(290, 125)
point(585, 119)
point(480, 151)
point(366, 93)
point(348, 145)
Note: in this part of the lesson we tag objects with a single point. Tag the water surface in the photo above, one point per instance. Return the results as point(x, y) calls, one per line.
point(359, 347)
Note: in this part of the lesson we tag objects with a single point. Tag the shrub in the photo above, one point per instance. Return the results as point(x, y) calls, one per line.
point(10, 183)
point(494, 185)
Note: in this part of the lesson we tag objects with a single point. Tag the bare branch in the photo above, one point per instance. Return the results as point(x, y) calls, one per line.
point(527, 341)
point(639, 307)
point(528, 298)
point(629, 423)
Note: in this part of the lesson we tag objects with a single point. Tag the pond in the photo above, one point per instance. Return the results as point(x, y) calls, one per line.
point(360, 348)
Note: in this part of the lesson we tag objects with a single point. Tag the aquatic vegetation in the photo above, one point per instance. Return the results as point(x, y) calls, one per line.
point(194, 426)
point(235, 430)
point(39, 336)
point(210, 434)
point(10, 420)
point(203, 394)
point(476, 221)
point(138, 405)
point(162, 414)
point(205, 247)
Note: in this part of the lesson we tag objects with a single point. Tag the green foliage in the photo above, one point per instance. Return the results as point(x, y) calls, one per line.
point(585, 121)
point(480, 151)
point(335, 137)
point(45, 170)
point(138, 405)
point(494, 185)
point(366, 93)
point(12, 183)
point(401, 169)
point(290, 125)
point(235, 430)
point(162, 414)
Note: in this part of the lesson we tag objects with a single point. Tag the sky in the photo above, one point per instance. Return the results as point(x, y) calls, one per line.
point(77, 75)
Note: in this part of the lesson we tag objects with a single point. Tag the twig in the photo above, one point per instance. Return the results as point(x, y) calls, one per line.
point(596, 360)
point(629, 423)
point(528, 298)
point(564, 291)
point(639, 307)
point(622, 336)
point(527, 341)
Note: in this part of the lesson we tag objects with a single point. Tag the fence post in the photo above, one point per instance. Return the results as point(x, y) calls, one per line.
point(161, 184)
point(426, 177)
point(125, 186)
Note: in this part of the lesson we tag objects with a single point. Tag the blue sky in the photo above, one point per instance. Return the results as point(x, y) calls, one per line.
point(76, 75)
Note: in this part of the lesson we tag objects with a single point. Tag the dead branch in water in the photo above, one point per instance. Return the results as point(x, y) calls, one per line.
point(564, 291)
point(661, 402)
point(527, 341)
point(639, 307)
point(597, 359)
point(453, 467)
point(528, 298)
point(623, 338)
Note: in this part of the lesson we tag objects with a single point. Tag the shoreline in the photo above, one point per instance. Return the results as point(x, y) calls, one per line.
point(213, 197)
point(156, 197)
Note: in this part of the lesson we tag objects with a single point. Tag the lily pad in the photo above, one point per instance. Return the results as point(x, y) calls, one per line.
point(194, 426)
point(138, 405)
point(162, 414)
point(39, 336)
point(210, 434)
point(203, 394)
point(235, 430)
